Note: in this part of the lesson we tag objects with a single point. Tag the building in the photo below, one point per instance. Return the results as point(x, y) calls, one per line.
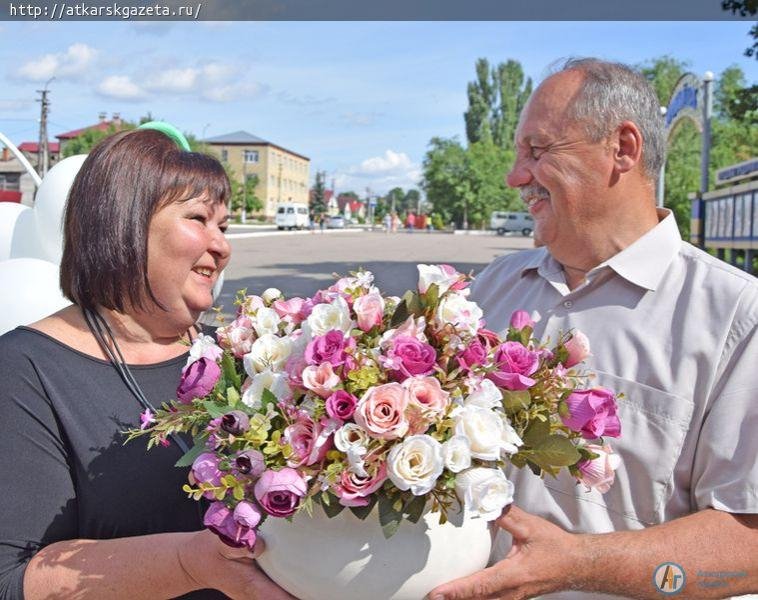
point(103, 125)
point(283, 175)
point(16, 185)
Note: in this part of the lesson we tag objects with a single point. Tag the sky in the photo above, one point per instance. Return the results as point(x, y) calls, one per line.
point(360, 99)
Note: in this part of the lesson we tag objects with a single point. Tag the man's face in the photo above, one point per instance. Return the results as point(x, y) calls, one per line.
point(563, 177)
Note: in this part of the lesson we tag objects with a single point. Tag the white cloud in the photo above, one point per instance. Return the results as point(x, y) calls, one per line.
point(381, 173)
point(235, 91)
point(71, 64)
point(216, 82)
point(173, 81)
point(359, 119)
point(120, 87)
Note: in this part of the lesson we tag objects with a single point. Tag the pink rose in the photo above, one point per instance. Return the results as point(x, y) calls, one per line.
point(369, 310)
point(341, 405)
point(310, 441)
point(381, 411)
point(599, 473)
point(474, 355)
point(327, 348)
point(294, 368)
point(578, 349)
point(354, 490)
point(320, 379)
point(412, 357)
point(236, 529)
point(514, 363)
point(593, 413)
point(198, 380)
point(292, 310)
point(238, 336)
point(414, 328)
point(426, 401)
point(280, 492)
point(521, 319)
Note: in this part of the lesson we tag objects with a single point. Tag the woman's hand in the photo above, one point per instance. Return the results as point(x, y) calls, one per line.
point(209, 563)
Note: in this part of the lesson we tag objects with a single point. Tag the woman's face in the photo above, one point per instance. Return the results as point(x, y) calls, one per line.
point(186, 252)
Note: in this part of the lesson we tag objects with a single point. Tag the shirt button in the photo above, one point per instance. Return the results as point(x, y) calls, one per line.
point(568, 304)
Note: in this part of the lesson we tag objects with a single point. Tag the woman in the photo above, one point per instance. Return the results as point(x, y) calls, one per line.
point(84, 515)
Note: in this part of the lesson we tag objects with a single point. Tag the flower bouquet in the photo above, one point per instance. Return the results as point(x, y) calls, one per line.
point(402, 410)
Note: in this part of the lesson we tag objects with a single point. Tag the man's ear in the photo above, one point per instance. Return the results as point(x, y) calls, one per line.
point(627, 147)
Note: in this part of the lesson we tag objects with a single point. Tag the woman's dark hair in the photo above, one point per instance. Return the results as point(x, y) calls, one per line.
point(123, 182)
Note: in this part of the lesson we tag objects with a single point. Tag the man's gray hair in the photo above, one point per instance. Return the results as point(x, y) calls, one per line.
point(612, 93)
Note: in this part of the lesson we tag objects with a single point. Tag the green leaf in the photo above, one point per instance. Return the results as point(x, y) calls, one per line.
point(513, 401)
point(363, 511)
point(267, 397)
point(232, 396)
point(413, 302)
point(229, 370)
point(415, 508)
point(400, 315)
point(555, 451)
point(432, 296)
point(518, 461)
point(331, 506)
point(389, 518)
point(191, 454)
point(536, 432)
point(214, 410)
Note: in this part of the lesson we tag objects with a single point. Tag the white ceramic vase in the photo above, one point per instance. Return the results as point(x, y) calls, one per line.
point(345, 558)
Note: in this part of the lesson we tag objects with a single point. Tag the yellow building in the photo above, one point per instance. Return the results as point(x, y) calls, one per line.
point(283, 175)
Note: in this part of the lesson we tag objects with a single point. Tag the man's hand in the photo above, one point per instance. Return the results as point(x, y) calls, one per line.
point(544, 558)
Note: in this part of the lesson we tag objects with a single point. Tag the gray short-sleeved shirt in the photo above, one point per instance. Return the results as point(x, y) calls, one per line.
point(675, 330)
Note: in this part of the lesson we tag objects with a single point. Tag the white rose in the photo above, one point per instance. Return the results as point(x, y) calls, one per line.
point(458, 311)
point(484, 491)
point(349, 435)
point(204, 346)
point(268, 352)
point(271, 294)
point(415, 464)
point(326, 317)
point(435, 274)
point(276, 383)
point(456, 452)
point(486, 395)
point(266, 321)
point(511, 439)
point(484, 429)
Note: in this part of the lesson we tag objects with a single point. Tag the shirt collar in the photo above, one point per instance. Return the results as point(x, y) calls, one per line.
point(642, 263)
point(645, 261)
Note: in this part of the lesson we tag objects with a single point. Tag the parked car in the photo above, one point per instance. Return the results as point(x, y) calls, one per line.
point(291, 216)
point(503, 222)
point(336, 222)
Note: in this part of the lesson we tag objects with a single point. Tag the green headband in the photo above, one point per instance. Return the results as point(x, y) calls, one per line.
point(169, 130)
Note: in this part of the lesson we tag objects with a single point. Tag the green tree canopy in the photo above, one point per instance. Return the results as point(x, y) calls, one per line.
point(318, 196)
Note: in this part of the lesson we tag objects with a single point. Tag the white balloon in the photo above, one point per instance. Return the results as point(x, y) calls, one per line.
point(9, 214)
point(26, 242)
point(49, 204)
point(31, 292)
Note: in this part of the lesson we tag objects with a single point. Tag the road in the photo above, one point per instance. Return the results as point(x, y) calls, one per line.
point(301, 264)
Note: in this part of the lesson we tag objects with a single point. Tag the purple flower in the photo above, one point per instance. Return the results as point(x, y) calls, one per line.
point(198, 380)
point(474, 354)
point(593, 413)
point(236, 529)
point(251, 462)
point(235, 422)
point(280, 492)
point(326, 348)
point(514, 362)
point(146, 419)
point(341, 405)
point(412, 357)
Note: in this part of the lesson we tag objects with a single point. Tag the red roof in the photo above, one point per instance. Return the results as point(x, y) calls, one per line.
point(102, 126)
point(8, 196)
point(327, 196)
point(33, 147)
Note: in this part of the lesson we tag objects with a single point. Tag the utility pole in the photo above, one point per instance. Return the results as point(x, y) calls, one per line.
point(43, 155)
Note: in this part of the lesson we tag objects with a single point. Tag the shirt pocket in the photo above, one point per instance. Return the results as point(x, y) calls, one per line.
point(654, 424)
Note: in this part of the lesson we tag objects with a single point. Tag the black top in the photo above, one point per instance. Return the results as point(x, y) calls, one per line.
point(65, 471)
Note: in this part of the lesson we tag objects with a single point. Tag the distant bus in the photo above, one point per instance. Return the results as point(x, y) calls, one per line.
point(291, 216)
point(503, 222)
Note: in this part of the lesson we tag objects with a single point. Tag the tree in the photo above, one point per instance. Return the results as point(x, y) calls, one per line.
point(481, 100)
point(83, 144)
point(318, 195)
point(745, 8)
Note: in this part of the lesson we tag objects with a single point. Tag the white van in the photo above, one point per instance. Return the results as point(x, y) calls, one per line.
point(503, 222)
point(292, 216)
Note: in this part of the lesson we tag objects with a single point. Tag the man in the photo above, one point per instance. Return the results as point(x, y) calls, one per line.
point(671, 328)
